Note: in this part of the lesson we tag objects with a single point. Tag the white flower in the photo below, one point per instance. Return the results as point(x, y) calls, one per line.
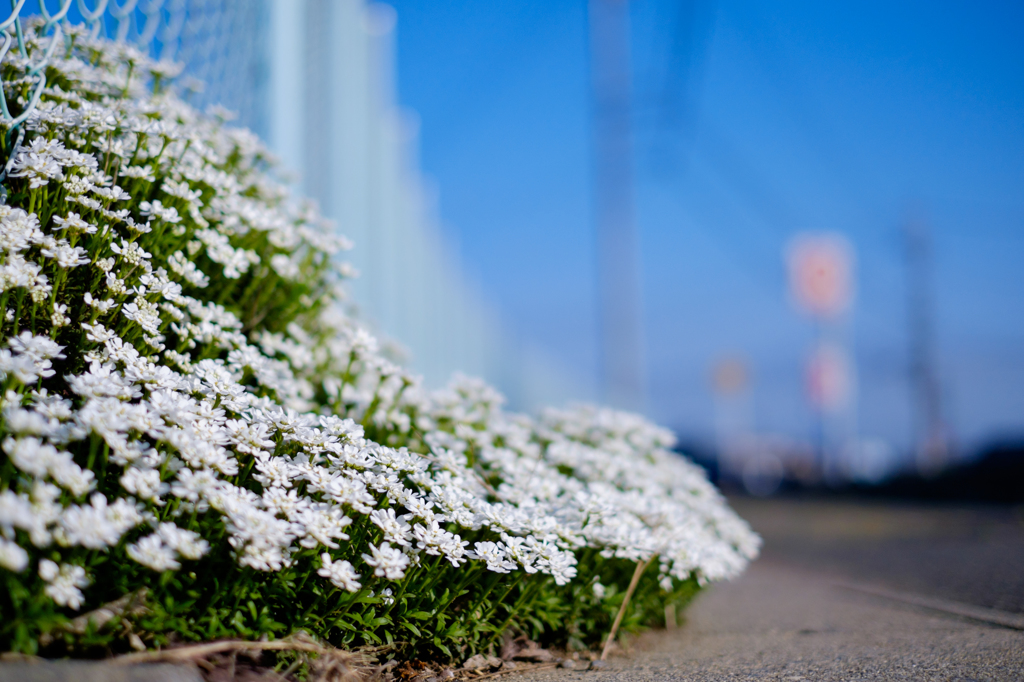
point(395, 530)
point(190, 485)
point(97, 333)
point(97, 525)
point(187, 270)
point(32, 514)
point(132, 253)
point(74, 223)
point(152, 553)
point(494, 554)
point(76, 185)
point(144, 483)
point(322, 524)
point(12, 557)
point(48, 570)
point(39, 162)
point(36, 347)
point(58, 318)
point(182, 190)
point(139, 173)
point(387, 561)
point(144, 313)
point(250, 438)
point(168, 214)
point(285, 266)
point(67, 256)
point(114, 193)
point(65, 582)
point(30, 455)
point(70, 476)
point(340, 573)
point(103, 307)
point(23, 368)
point(116, 285)
point(187, 543)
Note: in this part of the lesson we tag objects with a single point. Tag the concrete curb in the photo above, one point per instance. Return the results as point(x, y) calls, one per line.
point(981, 614)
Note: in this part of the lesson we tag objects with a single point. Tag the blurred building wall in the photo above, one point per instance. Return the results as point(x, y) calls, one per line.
point(318, 84)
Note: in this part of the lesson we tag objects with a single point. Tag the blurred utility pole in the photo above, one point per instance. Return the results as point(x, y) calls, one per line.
point(734, 414)
point(821, 271)
point(621, 344)
point(930, 432)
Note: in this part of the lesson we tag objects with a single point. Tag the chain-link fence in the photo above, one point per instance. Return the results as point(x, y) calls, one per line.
point(218, 42)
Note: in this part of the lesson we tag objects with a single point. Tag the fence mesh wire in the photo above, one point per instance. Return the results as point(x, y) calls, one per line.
point(218, 42)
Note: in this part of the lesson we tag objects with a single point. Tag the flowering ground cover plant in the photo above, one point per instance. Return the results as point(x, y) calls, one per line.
point(193, 424)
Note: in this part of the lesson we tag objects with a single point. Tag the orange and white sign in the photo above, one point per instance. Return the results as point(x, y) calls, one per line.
point(821, 273)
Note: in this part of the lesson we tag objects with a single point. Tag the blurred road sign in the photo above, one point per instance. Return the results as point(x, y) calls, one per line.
point(820, 273)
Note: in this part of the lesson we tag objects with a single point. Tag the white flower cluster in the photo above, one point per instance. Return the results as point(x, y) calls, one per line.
point(591, 477)
point(271, 429)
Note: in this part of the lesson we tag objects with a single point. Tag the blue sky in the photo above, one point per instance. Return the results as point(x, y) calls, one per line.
point(753, 122)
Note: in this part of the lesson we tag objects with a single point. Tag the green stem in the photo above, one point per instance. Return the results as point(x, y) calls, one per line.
point(528, 593)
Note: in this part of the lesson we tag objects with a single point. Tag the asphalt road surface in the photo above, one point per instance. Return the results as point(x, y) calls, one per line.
point(971, 554)
point(851, 591)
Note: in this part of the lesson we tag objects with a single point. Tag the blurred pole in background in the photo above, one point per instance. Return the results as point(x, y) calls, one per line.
point(932, 445)
point(738, 452)
point(734, 411)
point(618, 257)
point(821, 283)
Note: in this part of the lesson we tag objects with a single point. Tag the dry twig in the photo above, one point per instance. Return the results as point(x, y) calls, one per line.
point(622, 609)
point(131, 604)
point(517, 669)
point(194, 651)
